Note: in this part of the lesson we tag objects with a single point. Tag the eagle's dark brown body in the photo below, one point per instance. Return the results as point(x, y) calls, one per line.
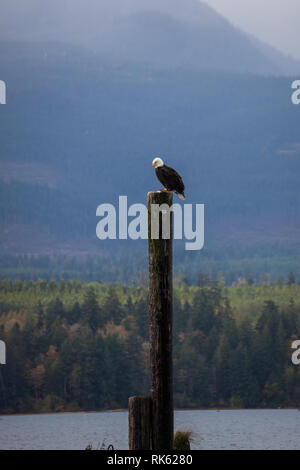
point(170, 179)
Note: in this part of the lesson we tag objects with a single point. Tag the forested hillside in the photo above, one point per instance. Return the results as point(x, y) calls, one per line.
point(75, 346)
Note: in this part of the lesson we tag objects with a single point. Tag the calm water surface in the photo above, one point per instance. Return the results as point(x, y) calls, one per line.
point(238, 429)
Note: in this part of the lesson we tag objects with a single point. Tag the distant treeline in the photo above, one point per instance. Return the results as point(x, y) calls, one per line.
point(130, 265)
point(77, 346)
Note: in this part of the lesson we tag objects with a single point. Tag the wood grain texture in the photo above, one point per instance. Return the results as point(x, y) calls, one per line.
point(161, 325)
point(139, 423)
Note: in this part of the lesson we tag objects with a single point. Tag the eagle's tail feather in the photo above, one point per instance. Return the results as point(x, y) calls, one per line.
point(182, 196)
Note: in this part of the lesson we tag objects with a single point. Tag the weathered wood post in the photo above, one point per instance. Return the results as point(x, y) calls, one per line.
point(139, 423)
point(151, 419)
point(161, 318)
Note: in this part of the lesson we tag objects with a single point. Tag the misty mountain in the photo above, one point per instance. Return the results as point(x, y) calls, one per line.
point(79, 130)
point(97, 89)
point(162, 32)
point(285, 63)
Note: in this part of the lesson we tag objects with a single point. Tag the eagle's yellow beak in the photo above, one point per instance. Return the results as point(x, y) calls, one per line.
point(153, 164)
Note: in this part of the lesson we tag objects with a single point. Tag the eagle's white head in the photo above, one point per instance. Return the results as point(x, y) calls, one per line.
point(157, 162)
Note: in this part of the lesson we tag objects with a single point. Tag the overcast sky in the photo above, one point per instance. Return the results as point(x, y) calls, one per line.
point(274, 21)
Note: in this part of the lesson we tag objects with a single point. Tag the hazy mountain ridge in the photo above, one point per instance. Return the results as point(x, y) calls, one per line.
point(86, 122)
point(88, 107)
point(164, 32)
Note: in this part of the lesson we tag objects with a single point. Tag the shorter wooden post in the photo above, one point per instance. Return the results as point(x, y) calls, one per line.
point(139, 423)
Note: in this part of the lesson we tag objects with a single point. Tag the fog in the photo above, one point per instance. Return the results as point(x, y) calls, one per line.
point(171, 32)
point(273, 21)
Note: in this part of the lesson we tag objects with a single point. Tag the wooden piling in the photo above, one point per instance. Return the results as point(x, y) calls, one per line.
point(151, 419)
point(139, 423)
point(161, 323)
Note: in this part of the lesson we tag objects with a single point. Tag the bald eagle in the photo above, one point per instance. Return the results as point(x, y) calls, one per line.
point(169, 178)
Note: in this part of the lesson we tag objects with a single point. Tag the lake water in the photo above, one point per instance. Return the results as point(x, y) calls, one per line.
point(230, 429)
